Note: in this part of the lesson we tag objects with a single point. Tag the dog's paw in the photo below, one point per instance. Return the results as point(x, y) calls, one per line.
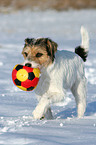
point(41, 109)
point(37, 115)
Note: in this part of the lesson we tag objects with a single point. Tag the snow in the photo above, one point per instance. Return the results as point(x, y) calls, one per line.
point(17, 127)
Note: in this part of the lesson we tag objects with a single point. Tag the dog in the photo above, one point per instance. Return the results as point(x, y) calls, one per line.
point(60, 71)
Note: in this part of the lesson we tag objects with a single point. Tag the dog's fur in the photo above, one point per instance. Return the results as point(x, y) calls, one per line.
point(60, 70)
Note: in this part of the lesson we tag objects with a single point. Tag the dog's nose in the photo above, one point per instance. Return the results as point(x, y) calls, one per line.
point(28, 64)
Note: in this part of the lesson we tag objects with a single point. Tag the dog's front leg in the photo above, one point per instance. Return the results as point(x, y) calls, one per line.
point(41, 108)
point(45, 103)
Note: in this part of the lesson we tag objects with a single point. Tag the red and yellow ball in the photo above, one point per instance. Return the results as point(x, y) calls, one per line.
point(25, 78)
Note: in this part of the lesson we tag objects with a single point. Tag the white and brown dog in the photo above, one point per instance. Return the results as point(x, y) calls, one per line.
point(60, 70)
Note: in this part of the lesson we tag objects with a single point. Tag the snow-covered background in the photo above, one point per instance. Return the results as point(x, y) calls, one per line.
point(16, 124)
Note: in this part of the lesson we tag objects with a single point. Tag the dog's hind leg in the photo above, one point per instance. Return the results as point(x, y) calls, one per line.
point(79, 92)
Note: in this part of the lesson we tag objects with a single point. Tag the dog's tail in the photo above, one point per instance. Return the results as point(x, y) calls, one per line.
point(83, 49)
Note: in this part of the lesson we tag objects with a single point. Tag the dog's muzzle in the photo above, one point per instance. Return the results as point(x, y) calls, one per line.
point(28, 64)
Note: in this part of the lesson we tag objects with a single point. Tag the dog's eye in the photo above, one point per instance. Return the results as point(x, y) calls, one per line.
point(39, 54)
point(26, 54)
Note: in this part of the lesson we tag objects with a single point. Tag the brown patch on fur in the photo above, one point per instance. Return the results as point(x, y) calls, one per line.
point(52, 48)
point(26, 51)
point(42, 51)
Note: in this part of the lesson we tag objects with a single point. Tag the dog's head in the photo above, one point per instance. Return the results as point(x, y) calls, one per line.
point(39, 52)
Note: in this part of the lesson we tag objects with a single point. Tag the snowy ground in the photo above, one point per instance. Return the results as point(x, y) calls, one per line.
point(16, 124)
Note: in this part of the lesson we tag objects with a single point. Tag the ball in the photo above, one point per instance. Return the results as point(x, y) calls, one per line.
point(25, 78)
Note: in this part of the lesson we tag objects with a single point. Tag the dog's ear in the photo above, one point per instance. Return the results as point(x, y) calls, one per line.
point(51, 47)
point(29, 41)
